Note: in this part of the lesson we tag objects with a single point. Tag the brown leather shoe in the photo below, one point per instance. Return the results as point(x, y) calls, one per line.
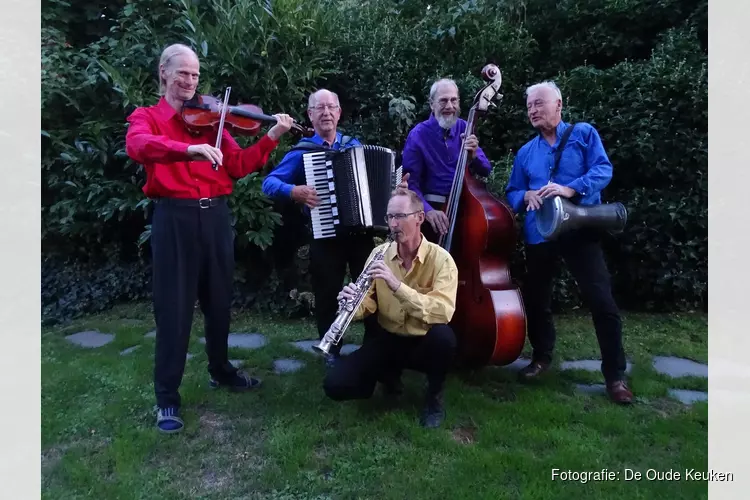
point(532, 370)
point(619, 393)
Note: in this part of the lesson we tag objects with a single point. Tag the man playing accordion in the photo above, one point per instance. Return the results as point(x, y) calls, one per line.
point(329, 257)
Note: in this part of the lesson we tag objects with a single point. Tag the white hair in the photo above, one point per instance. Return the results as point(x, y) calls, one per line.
point(438, 83)
point(545, 84)
point(313, 99)
point(167, 55)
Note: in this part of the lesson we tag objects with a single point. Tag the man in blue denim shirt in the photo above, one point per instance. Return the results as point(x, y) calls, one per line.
point(328, 256)
point(583, 172)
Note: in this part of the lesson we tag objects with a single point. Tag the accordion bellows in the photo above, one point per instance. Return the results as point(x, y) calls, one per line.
point(354, 186)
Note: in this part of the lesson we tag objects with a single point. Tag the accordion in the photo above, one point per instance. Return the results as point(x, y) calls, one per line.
point(354, 186)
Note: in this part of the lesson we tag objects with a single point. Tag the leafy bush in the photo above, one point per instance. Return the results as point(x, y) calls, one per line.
point(637, 71)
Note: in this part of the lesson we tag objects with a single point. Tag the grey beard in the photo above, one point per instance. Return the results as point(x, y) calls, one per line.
point(447, 123)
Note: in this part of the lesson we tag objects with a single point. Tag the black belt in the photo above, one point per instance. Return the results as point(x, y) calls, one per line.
point(192, 202)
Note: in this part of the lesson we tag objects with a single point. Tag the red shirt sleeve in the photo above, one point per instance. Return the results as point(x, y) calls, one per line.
point(241, 162)
point(143, 146)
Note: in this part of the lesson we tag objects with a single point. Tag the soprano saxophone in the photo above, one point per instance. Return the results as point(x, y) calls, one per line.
point(347, 308)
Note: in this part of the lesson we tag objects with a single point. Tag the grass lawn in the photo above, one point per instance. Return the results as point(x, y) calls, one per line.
point(288, 441)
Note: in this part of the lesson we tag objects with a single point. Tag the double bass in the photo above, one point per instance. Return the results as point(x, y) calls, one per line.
point(490, 320)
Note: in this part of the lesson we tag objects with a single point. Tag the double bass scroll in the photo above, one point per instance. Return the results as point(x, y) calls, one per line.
point(490, 320)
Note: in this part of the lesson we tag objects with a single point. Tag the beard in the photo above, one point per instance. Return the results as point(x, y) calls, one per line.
point(447, 122)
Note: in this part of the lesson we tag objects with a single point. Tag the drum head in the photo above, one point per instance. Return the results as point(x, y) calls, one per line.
point(549, 217)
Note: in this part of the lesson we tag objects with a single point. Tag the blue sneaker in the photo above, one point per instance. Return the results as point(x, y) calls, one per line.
point(168, 420)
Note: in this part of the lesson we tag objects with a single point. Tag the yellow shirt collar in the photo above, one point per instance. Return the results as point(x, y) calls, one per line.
point(392, 252)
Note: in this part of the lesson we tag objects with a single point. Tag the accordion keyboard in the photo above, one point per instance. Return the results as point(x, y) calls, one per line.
point(319, 175)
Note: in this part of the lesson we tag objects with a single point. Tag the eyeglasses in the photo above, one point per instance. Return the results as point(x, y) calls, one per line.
point(444, 101)
point(322, 107)
point(399, 217)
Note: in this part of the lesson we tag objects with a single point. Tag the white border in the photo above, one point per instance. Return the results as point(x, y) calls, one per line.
point(729, 395)
point(728, 239)
point(20, 202)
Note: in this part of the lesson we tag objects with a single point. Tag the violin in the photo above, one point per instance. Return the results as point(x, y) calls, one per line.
point(205, 113)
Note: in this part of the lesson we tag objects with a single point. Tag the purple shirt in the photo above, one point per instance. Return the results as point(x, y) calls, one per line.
point(430, 157)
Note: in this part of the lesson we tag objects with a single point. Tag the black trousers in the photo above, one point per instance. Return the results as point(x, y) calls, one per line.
point(328, 260)
point(193, 258)
point(384, 355)
point(582, 252)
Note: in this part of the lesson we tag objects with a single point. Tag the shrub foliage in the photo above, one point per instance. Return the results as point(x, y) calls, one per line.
point(636, 70)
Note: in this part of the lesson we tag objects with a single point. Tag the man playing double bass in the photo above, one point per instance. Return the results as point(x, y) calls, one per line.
point(431, 154)
point(191, 233)
point(584, 170)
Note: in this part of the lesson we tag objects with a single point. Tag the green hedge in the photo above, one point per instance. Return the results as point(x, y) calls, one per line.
point(636, 70)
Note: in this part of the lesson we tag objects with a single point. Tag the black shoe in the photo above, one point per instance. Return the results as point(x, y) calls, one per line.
point(393, 388)
point(331, 359)
point(239, 381)
point(433, 413)
point(532, 370)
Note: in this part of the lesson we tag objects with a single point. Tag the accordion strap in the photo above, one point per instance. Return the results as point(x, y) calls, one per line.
point(308, 145)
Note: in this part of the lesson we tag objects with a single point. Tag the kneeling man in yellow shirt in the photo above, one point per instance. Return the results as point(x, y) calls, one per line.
point(406, 314)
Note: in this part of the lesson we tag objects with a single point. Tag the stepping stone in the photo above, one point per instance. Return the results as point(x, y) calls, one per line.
point(150, 335)
point(188, 356)
point(90, 339)
point(688, 397)
point(592, 365)
point(307, 346)
point(517, 364)
point(347, 349)
point(129, 350)
point(287, 365)
point(244, 340)
point(679, 367)
point(592, 389)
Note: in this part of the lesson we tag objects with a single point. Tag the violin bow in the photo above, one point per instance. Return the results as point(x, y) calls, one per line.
point(221, 122)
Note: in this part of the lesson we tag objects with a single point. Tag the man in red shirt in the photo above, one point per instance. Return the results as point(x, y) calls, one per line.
point(191, 234)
